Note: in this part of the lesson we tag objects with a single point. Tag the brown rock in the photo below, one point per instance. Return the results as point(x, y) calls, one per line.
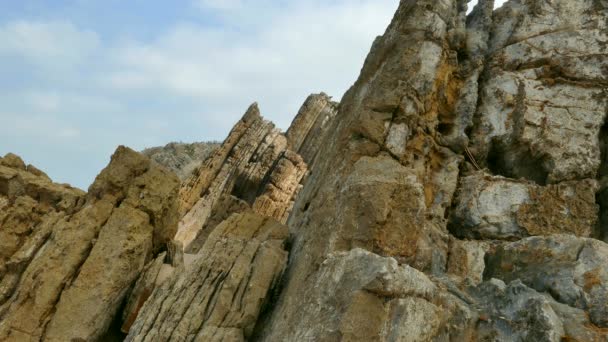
point(71, 275)
point(253, 165)
point(13, 161)
point(220, 297)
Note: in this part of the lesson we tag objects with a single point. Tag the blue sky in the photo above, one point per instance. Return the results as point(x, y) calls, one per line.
point(80, 77)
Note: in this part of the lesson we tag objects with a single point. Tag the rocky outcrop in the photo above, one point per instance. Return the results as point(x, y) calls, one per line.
point(29, 203)
point(220, 296)
point(181, 158)
point(457, 193)
point(494, 207)
point(254, 165)
point(310, 127)
point(573, 270)
point(440, 97)
point(69, 277)
point(543, 98)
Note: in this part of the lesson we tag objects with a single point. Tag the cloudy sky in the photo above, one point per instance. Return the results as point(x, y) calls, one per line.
point(79, 77)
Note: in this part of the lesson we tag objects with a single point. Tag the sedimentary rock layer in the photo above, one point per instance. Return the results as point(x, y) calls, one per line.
point(256, 165)
point(220, 296)
point(69, 276)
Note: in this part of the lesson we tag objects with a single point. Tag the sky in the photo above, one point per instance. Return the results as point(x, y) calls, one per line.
point(80, 77)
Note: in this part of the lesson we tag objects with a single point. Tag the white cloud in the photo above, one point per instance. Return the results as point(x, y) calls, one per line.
point(219, 4)
point(55, 43)
point(276, 56)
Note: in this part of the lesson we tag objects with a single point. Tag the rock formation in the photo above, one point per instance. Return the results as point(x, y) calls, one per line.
point(181, 158)
point(256, 167)
point(520, 91)
point(73, 260)
point(458, 192)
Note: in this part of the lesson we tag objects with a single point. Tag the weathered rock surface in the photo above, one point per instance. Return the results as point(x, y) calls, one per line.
point(220, 297)
point(573, 270)
point(543, 100)
point(457, 193)
point(29, 201)
point(386, 178)
point(310, 127)
point(494, 207)
point(516, 312)
point(70, 276)
point(253, 165)
point(182, 158)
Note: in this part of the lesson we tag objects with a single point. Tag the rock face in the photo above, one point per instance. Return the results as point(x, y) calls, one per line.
point(494, 207)
point(182, 158)
point(254, 167)
point(457, 193)
point(310, 126)
point(220, 297)
point(520, 91)
point(69, 275)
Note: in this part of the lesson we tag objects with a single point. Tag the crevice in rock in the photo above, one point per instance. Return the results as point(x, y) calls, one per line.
point(516, 162)
point(602, 195)
point(114, 332)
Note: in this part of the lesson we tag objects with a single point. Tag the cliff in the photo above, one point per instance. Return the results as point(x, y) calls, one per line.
point(456, 193)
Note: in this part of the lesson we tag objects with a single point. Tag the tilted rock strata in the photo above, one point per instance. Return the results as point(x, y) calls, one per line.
point(255, 165)
point(221, 295)
point(488, 127)
point(182, 158)
point(310, 126)
point(28, 202)
point(71, 275)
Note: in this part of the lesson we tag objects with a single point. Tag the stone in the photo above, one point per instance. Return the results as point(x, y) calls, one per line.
point(13, 161)
point(221, 296)
point(466, 261)
point(517, 312)
point(149, 279)
point(182, 158)
point(494, 207)
point(254, 165)
point(573, 270)
point(310, 126)
point(458, 192)
point(543, 98)
point(70, 276)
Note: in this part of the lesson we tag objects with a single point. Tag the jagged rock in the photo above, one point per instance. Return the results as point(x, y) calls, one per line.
point(253, 165)
point(518, 313)
point(27, 204)
point(494, 207)
point(573, 270)
point(543, 99)
point(357, 292)
point(310, 126)
point(13, 161)
point(490, 126)
point(182, 158)
point(220, 297)
point(71, 275)
point(383, 158)
point(226, 206)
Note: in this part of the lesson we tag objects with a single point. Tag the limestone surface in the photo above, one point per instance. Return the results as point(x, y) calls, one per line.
point(220, 297)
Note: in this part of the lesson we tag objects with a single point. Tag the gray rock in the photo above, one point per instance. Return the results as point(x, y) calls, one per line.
point(494, 207)
point(573, 270)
